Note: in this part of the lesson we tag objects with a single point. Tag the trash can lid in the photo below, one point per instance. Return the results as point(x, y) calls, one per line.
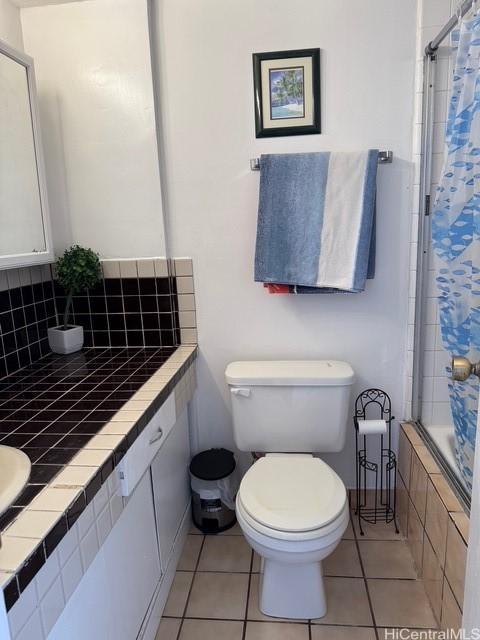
point(213, 464)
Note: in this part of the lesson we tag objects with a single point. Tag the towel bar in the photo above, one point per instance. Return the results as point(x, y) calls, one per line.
point(384, 157)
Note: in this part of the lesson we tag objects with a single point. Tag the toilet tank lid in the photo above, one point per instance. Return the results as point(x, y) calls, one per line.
point(318, 373)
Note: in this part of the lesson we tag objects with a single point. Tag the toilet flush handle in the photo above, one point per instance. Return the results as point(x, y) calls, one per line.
point(240, 391)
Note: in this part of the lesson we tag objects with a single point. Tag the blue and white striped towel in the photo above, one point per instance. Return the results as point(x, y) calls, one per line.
point(316, 220)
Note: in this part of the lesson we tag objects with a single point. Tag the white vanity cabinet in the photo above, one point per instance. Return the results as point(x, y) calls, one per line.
point(122, 594)
point(113, 596)
point(133, 563)
point(171, 486)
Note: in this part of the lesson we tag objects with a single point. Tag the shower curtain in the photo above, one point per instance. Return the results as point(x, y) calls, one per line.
point(456, 236)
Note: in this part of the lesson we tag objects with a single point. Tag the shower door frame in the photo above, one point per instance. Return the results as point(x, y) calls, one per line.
point(471, 613)
point(422, 264)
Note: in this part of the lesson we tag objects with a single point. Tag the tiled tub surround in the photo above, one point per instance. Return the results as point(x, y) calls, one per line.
point(94, 405)
point(27, 309)
point(435, 525)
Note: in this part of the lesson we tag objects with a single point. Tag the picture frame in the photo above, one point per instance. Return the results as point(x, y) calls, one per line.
point(287, 92)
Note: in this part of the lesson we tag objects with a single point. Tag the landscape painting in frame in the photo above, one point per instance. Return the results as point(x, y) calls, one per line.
point(287, 92)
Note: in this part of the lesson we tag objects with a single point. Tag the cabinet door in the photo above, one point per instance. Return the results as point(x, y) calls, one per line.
point(132, 562)
point(171, 485)
point(113, 596)
point(88, 613)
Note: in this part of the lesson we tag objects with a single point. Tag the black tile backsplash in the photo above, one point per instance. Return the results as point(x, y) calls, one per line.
point(27, 309)
point(133, 312)
point(118, 312)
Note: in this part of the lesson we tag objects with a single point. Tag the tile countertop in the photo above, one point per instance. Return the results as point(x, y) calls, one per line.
point(75, 417)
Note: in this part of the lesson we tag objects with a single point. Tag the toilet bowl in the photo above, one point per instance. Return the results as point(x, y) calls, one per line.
point(293, 511)
point(291, 506)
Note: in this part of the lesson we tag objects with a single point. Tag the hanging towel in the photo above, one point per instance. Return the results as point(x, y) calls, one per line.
point(316, 221)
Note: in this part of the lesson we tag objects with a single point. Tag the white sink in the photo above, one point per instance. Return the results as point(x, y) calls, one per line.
point(14, 473)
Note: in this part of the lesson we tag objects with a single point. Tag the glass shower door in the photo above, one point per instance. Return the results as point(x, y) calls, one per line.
point(450, 318)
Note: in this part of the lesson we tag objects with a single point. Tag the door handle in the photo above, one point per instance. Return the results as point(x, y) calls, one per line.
point(157, 436)
point(462, 368)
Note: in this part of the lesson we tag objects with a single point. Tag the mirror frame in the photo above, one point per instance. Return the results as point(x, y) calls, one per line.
point(39, 257)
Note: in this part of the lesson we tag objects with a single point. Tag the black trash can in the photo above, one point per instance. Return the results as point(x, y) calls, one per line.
point(214, 486)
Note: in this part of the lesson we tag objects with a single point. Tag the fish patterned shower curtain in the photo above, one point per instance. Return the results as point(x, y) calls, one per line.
point(456, 236)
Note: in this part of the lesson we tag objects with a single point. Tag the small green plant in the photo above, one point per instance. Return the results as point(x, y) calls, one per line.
point(77, 270)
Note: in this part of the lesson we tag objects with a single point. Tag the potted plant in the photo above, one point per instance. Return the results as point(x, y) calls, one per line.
point(77, 270)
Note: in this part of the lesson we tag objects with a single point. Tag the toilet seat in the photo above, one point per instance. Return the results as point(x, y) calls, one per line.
point(292, 497)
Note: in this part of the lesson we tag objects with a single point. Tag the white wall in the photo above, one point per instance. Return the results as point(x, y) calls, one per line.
point(94, 80)
point(368, 56)
point(10, 25)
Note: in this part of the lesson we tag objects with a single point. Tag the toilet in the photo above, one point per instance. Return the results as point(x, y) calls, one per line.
point(291, 506)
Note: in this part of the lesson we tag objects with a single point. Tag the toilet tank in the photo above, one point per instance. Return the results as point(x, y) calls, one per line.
point(290, 406)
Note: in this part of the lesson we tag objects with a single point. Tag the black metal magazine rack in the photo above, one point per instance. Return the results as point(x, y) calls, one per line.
point(378, 504)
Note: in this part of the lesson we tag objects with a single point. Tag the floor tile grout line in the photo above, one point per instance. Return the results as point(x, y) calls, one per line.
point(269, 621)
point(285, 622)
point(326, 575)
point(365, 580)
point(191, 587)
point(245, 621)
point(370, 540)
point(288, 621)
point(340, 624)
point(219, 535)
point(243, 573)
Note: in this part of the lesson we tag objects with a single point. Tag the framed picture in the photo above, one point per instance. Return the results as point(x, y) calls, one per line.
point(287, 92)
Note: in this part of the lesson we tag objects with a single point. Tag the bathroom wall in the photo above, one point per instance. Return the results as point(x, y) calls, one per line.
point(10, 25)
point(97, 114)
point(204, 64)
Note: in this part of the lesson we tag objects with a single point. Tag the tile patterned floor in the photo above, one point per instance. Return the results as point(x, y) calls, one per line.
point(370, 580)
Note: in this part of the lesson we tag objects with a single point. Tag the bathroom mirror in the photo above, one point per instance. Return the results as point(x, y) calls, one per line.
point(24, 225)
point(97, 113)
